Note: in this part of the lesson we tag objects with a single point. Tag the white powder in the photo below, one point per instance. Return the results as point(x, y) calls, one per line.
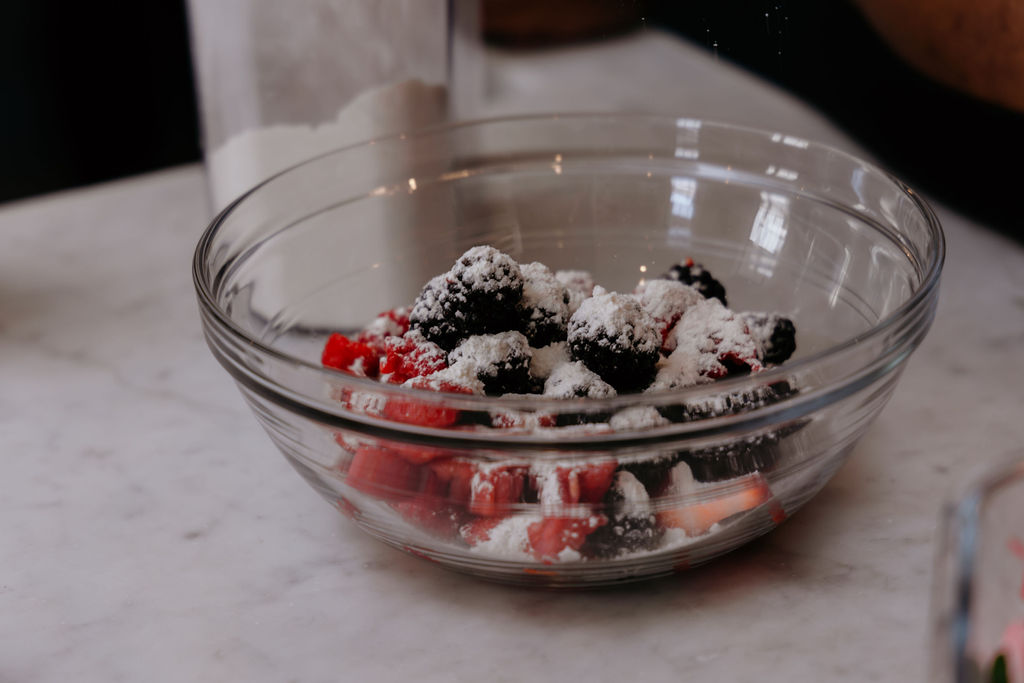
point(617, 320)
point(666, 301)
point(684, 367)
point(508, 539)
point(460, 374)
point(637, 417)
point(486, 269)
point(547, 358)
point(487, 353)
point(384, 325)
point(541, 289)
point(710, 327)
point(575, 380)
point(635, 500)
point(366, 403)
point(428, 305)
point(579, 284)
point(255, 154)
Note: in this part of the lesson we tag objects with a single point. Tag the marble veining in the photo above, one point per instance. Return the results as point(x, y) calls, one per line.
point(152, 532)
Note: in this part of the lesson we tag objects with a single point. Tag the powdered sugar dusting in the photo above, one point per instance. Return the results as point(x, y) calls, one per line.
point(637, 417)
point(579, 284)
point(547, 358)
point(487, 269)
point(574, 380)
point(666, 301)
point(461, 374)
point(484, 352)
point(508, 539)
point(542, 290)
point(385, 325)
point(684, 367)
point(617, 318)
point(712, 329)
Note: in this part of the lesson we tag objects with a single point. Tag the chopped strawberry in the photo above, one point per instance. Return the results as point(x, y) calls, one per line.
point(457, 475)
point(552, 535)
point(478, 530)
point(411, 356)
point(695, 519)
point(493, 489)
point(350, 356)
point(438, 519)
point(393, 323)
point(382, 472)
point(594, 480)
point(569, 485)
point(416, 412)
point(416, 454)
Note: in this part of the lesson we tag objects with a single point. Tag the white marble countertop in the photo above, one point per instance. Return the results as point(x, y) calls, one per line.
point(153, 533)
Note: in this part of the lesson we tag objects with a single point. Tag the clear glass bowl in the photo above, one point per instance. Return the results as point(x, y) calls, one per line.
point(846, 251)
point(978, 604)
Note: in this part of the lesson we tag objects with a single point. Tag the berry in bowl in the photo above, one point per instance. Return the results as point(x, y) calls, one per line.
point(570, 350)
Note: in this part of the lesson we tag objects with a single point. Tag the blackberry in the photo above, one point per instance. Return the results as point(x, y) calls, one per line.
point(617, 339)
point(500, 361)
point(653, 472)
point(775, 334)
point(729, 461)
point(727, 404)
point(479, 295)
point(543, 307)
point(631, 524)
point(434, 313)
point(694, 274)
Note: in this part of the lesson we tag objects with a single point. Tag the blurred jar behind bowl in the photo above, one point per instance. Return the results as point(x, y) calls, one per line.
point(281, 82)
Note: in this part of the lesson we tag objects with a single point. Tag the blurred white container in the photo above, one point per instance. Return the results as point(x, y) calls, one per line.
point(281, 82)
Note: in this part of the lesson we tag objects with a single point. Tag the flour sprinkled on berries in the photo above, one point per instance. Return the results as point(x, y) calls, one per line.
point(544, 305)
point(526, 335)
point(617, 339)
point(501, 361)
point(575, 380)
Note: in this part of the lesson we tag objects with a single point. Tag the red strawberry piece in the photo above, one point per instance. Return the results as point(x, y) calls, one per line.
point(478, 530)
point(350, 356)
point(416, 454)
point(393, 323)
point(594, 481)
point(425, 513)
point(411, 356)
point(575, 484)
point(382, 472)
point(493, 489)
point(747, 493)
point(551, 535)
point(416, 412)
point(457, 475)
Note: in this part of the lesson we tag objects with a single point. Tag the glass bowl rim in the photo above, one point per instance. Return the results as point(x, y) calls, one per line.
point(931, 271)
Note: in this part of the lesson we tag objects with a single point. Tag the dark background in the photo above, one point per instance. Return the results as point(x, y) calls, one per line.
point(94, 92)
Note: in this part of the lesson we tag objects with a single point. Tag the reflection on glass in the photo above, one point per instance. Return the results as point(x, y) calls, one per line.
point(790, 140)
point(768, 230)
point(683, 191)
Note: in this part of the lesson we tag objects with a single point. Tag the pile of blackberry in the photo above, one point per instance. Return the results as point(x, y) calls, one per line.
point(488, 293)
